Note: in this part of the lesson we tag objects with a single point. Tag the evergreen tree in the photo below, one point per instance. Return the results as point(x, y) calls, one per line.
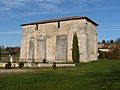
point(103, 42)
point(111, 41)
point(75, 49)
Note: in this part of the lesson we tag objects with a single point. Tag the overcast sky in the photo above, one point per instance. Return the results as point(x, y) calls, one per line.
point(15, 12)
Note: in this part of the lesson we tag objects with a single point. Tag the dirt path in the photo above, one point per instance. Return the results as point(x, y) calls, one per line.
point(9, 71)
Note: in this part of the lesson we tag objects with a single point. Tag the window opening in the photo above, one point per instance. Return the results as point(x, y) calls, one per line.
point(58, 24)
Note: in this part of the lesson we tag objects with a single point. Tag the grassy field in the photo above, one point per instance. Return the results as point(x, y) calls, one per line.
point(98, 75)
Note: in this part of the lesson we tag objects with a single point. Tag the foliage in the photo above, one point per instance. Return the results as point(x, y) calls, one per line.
point(103, 55)
point(10, 51)
point(21, 64)
point(75, 49)
point(103, 42)
point(114, 50)
point(117, 41)
point(8, 65)
point(111, 41)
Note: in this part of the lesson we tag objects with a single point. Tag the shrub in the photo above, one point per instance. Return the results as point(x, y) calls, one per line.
point(8, 65)
point(75, 49)
point(54, 65)
point(44, 60)
point(21, 64)
point(103, 55)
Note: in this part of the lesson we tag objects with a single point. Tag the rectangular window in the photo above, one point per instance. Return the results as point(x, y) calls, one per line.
point(58, 24)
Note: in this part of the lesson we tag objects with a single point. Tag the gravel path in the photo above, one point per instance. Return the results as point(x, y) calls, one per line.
point(9, 71)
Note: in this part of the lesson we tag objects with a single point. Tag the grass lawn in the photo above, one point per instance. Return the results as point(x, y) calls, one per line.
point(98, 75)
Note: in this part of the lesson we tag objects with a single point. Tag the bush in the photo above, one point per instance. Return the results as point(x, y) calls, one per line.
point(8, 65)
point(75, 49)
point(54, 65)
point(44, 60)
point(21, 64)
point(103, 55)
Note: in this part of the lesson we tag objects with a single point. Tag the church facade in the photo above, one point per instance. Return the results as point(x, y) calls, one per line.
point(52, 40)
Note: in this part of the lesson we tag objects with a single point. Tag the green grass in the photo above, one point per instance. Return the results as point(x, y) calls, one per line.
point(98, 75)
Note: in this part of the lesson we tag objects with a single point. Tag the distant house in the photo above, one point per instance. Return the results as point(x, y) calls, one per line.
point(52, 39)
point(106, 47)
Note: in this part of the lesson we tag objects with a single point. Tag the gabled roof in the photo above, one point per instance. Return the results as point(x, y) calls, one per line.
point(61, 19)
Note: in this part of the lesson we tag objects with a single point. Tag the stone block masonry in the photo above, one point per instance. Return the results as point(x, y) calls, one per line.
point(52, 40)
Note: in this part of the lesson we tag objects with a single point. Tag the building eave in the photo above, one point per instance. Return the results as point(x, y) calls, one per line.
point(61, 19)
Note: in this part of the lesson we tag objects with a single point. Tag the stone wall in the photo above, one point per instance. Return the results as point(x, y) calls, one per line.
point(49, 32)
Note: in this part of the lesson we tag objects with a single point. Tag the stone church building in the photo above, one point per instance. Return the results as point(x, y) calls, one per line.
point(52, 39)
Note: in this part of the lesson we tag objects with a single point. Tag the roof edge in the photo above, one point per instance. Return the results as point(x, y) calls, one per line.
point(61, 19)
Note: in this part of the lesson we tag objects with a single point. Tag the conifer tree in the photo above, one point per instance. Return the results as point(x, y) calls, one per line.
point(111, 42)
point(75, 49)
point(103, 42)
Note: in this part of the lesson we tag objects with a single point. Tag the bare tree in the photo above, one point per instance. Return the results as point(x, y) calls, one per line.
point(115, 52)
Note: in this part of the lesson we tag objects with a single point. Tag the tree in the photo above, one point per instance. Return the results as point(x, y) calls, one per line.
point(115, 52)
point(103, 42)
point(75, 49)
point(103, 55)
point(117, 41)
point(111, 41)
